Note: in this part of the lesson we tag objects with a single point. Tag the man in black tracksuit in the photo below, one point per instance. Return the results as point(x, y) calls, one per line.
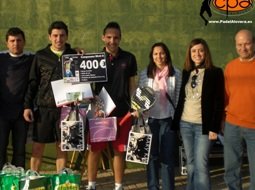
point(14, 71)
point(46, 67)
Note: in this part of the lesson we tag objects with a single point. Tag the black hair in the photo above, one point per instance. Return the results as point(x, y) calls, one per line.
point(14, 31)
point(151, 69)
point(114, 25)
point(58, 25)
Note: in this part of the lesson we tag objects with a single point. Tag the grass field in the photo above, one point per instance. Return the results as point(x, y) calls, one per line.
point(49, 158)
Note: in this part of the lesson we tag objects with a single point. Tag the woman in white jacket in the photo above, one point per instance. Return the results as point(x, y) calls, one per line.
point(165, 81)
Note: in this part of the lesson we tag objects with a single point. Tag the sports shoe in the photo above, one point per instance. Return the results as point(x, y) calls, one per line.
point(119, 188)
point(90, 188)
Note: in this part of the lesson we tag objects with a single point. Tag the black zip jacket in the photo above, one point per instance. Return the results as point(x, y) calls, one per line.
point(46, 67)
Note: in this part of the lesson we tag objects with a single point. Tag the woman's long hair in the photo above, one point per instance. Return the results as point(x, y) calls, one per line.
point(151, 69)
point(189, 64)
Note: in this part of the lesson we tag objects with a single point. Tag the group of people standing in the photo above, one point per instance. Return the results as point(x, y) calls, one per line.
point(200, 102)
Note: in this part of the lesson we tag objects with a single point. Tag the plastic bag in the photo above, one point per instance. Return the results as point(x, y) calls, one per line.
point(34, 181)
point(65, 180)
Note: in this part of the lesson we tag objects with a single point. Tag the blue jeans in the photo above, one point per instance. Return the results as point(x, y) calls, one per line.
point(234, 137)
point(197, 147)
point(162, 155)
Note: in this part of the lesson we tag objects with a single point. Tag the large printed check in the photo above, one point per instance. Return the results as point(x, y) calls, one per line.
point(90, 67)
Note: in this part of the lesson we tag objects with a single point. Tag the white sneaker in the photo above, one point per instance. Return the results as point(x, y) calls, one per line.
point(90, 188)
point(118, 188)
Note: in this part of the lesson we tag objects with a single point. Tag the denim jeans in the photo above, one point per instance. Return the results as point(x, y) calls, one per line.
point(234, 137)
point(197, 147)
point(162, 155)
point(18, 127)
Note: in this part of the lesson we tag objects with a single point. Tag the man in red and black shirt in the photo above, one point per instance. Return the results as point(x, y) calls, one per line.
point(121, 72)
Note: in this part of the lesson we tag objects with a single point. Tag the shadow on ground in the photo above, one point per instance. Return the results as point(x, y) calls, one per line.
point(135, 179)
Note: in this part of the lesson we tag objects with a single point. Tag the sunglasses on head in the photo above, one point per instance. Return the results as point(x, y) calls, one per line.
point(193, 81)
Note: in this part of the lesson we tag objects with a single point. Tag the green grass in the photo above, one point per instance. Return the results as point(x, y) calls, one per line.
point(49, 158)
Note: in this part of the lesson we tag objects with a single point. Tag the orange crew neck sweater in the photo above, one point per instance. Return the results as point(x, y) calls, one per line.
point(240, 93)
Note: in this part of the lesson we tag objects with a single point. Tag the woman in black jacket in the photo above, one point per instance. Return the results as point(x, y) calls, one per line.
point(199, 111)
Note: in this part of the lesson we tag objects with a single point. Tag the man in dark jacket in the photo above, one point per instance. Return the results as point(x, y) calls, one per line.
point(14, 72)
point(46, 67)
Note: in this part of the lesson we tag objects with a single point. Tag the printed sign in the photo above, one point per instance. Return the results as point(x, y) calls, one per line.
point(90, 67)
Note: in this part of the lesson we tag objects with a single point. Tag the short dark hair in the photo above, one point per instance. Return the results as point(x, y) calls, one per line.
point(58, 25)
point(14, 31)
point(114, 25)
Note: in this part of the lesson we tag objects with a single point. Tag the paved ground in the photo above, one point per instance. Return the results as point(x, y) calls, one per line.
point(135, 179)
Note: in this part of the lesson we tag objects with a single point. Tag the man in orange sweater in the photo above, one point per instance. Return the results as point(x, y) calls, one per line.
point(240, 111)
